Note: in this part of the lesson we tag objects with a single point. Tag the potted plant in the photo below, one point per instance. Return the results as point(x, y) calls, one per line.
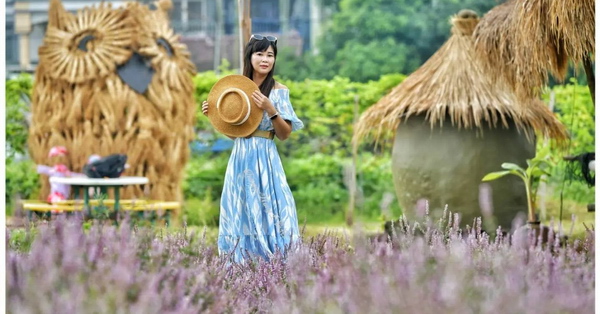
point(537, 170)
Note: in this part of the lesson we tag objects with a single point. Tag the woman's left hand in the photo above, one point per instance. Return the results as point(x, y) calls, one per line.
point(262, 101)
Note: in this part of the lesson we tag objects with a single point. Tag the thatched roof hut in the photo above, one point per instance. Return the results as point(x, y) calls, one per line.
point(522, 40)
point(455, 83)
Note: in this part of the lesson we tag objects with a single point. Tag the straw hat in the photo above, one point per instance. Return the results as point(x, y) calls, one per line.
point(230, 107)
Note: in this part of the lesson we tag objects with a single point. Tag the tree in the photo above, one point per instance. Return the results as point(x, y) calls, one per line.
point(368, 38)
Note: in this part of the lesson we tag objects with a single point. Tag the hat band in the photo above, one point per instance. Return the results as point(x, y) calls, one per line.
point(244, 97)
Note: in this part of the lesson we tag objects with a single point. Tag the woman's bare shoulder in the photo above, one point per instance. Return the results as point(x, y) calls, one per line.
point(280, 86)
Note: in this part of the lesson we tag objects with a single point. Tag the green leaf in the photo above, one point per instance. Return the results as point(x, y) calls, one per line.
point(495, 175)
point(537, 172)
point(511, 166)
point(534, 172)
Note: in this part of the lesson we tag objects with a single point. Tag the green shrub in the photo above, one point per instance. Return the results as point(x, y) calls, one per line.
point(203, 82)
point(376, 182)
point(202, 186)
point(325, 107)
point(204, 176)
point(18, 91)
point(327, 110)
point(20, 240)
point(575, 110)
point(314, 157)
point(203, 212)
point(321, 194)
point(22, 181)
point(317, 185)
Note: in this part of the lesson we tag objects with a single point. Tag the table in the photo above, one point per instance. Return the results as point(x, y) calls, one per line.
point(102, 183)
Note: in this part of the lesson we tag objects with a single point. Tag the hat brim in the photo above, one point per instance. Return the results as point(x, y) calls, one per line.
point(248, 87)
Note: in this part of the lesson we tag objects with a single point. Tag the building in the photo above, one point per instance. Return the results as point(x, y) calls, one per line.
point(209, 38)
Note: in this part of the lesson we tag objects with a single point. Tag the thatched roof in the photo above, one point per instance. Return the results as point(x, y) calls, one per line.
point(574, 23)
point(523, 40)
point(494, 36)
point(453, 83)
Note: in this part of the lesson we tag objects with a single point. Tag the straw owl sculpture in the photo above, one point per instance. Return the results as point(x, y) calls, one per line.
point(115, 81)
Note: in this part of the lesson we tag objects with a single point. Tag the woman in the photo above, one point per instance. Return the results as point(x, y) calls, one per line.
point(258, 213)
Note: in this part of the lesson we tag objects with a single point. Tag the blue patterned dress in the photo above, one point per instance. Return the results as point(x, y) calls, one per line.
point(258, 213)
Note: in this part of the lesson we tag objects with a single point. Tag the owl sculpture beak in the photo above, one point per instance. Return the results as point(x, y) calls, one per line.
point(136, 72)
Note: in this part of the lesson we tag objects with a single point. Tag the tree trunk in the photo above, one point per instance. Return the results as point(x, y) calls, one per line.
point(591, 80)
point(315, 24)
point(245, 23)
point(284, 13)
point(218, 36)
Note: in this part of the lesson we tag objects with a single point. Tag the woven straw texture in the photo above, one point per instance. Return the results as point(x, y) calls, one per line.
point(80, 102)
point(236, 115)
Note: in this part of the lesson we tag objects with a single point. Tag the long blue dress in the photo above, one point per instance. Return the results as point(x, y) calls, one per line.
point(258, 213)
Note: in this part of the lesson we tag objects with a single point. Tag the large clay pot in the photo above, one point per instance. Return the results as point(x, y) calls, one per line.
point(445, 165)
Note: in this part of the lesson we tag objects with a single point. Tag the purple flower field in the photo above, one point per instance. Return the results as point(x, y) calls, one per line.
point(62, 268)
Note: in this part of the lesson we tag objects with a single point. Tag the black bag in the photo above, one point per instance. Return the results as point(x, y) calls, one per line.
point(111, 166)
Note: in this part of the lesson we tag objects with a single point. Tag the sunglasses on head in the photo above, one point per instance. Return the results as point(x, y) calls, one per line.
point(272, 39)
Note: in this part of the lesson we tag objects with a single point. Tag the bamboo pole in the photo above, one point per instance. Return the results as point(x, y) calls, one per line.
point(245, 24)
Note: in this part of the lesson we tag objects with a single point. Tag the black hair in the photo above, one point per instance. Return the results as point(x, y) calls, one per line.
point(254, 46)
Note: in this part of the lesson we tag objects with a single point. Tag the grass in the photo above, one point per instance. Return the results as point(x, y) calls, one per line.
point(574, 215)
point(582, 218)
point(200, 220)
point(308, 230)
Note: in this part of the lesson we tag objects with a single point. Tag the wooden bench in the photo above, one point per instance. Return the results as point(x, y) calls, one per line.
point(70, 206)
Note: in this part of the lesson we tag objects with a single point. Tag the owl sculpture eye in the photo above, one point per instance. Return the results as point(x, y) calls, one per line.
point(67, 44)
point(83, 43)
point(164, 44)
point(160, 43)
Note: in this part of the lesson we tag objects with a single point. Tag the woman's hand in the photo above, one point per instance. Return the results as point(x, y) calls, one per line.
point(263, 102)
point(205, 108)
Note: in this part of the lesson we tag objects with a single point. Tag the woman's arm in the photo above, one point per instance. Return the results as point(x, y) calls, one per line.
point(283, 128)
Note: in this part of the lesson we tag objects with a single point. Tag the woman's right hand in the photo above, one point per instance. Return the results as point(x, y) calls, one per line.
point(205, 108)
